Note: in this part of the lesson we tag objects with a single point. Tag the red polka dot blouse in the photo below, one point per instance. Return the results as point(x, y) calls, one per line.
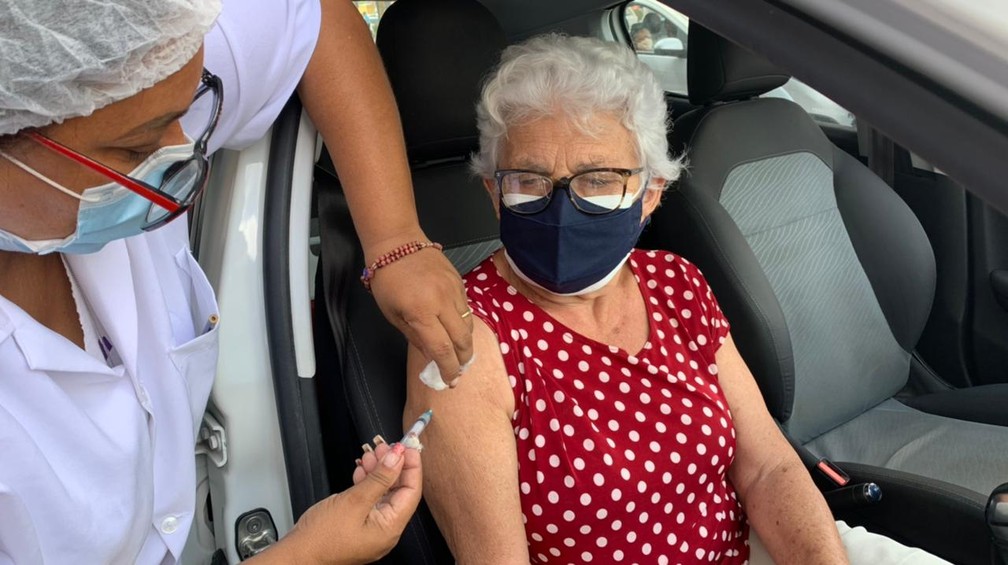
point(622, 458)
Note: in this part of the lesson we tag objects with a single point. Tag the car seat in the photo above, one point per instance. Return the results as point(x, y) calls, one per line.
point(435, 53)
point(827, 278)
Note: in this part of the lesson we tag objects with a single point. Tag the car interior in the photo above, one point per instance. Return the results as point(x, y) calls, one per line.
point(790, 231)
point(842, 276)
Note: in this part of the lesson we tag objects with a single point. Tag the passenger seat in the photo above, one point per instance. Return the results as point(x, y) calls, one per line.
point(827, 278)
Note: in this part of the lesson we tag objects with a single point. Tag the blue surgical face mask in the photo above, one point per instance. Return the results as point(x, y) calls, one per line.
point(566, 251)
point(107, 212)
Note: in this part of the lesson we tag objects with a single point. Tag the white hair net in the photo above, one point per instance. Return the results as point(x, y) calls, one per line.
point(65, 58)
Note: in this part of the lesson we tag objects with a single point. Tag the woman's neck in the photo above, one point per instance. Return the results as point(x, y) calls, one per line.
point(615, 314)
point(39, 285)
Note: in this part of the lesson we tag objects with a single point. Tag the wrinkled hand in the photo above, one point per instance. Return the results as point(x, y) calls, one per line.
point(422, 295)
point(362, 523)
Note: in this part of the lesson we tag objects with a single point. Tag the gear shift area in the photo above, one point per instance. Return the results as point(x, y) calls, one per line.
point(997, 521)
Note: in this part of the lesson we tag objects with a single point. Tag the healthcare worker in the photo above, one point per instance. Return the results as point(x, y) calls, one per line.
point(107, 341)
point(262, 50)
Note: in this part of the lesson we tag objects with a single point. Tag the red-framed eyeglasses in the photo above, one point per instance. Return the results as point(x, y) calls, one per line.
point(181, 184)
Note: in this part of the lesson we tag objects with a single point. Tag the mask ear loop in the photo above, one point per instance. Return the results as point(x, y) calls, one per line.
point(47, 180)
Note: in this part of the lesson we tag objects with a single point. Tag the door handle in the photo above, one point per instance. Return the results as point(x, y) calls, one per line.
point(999, 284)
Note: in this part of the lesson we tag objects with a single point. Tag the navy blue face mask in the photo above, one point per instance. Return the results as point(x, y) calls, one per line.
point(565, 250)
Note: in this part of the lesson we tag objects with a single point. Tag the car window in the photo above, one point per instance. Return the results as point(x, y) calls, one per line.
point(372, 11)
point(659, 36)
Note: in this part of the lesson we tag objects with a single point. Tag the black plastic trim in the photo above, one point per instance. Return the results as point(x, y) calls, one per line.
point(908, 72)
point(963, 140)
point(941, 518)
point(297, 405)
point(999, 284)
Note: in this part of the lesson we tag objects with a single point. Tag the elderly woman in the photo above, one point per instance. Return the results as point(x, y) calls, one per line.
point(614, 418)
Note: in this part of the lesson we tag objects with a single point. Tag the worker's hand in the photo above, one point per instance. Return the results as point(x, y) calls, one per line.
point(362, 523)
point(422, 295)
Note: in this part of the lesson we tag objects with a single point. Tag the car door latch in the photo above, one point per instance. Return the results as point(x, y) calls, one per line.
point(254, 532)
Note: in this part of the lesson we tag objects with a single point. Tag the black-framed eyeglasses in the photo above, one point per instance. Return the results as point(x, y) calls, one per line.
point(181, 184)
point(596, 191)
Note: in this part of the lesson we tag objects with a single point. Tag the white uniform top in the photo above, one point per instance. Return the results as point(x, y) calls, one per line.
point(259, 49)
point(96, 457)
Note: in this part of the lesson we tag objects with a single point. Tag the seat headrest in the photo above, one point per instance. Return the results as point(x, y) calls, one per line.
point(718, 70)
point(436, 53)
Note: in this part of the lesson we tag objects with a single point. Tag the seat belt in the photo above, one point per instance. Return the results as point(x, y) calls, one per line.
point(878, 150)
point(340, 253)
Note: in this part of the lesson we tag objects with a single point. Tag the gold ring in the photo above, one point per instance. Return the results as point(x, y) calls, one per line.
point(466, 314)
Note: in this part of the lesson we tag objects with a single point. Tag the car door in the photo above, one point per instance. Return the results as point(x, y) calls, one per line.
point(966, 337)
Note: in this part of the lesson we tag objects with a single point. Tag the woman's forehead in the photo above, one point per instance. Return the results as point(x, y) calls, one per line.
point(550, 139)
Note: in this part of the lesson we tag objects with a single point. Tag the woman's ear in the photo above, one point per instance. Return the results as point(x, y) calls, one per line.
point(652, 196)
point(491, 188)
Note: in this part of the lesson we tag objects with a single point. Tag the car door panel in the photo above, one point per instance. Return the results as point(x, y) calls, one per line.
point(989, 316)
point(941, 207)
point(964, 341)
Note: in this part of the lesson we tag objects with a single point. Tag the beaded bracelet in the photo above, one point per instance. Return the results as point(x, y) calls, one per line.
point(393, 256)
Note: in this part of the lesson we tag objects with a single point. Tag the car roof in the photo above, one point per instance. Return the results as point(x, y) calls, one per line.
point(961, 44)
point(521, 17)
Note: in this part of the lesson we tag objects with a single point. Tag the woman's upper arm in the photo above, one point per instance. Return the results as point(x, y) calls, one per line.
point(759, 443)
point(470, 463)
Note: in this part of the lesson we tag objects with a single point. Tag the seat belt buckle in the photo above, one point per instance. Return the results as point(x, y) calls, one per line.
point(834, 474)
point(853, 496)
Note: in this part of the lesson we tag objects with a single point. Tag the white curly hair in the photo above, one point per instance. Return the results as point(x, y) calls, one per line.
point(579, 77)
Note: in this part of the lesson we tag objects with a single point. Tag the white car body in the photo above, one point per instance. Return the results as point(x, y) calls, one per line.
point(231, 249)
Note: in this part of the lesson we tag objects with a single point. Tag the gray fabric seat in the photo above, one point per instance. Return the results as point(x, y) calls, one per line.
point(823, 271)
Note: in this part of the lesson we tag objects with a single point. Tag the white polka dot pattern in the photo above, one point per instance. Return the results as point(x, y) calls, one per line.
point(621, 458)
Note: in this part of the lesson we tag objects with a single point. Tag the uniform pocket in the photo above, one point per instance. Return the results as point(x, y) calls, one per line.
point(199, 294)
point(196, 359)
